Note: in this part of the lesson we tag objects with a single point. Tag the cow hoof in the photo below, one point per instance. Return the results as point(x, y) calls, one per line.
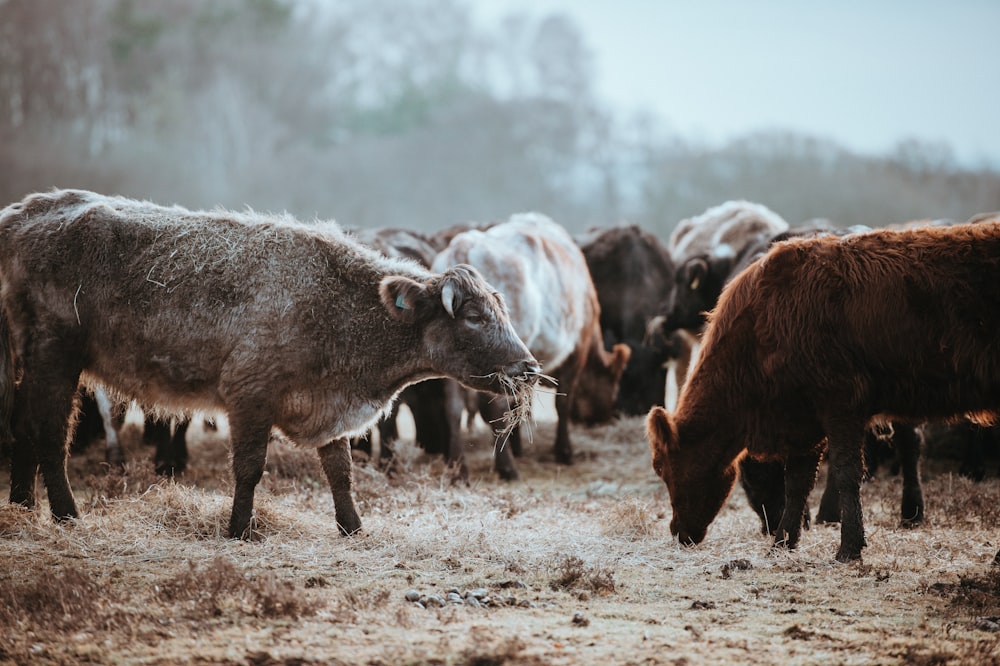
point(844, 555)
point(509, 474)
point(350, 526)
point(564, 458)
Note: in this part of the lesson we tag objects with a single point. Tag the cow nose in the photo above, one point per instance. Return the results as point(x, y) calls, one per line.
point(527, 368)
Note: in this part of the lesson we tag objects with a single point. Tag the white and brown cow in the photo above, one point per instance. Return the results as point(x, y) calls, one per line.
point(277, 324)
point(543, 276)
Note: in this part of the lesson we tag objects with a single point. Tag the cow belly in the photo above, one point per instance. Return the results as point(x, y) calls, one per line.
point(315, 418)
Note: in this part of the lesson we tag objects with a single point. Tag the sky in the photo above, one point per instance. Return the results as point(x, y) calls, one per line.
point(865, 74)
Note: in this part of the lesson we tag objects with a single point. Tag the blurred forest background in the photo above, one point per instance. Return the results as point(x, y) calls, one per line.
point(397, 113)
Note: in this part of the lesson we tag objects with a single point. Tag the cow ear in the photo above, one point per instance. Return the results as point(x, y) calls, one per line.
point(401, 296)
point(622, 353)
point(694, 272)
point(660, 429)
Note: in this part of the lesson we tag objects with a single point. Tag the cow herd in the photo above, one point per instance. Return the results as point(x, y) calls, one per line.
point(788, 344)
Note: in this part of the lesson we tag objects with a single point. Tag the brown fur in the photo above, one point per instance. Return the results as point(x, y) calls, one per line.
point(275, 323)
point(814, 341)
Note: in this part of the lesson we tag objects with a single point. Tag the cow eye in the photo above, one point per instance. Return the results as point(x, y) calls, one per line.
point(475, 318)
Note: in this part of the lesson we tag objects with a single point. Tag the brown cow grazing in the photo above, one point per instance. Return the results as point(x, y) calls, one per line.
point(276, 323)
point(815, 341)
point(543, 277)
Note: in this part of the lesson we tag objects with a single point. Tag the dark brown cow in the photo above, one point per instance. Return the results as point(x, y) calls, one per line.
point(543, 277)
point(632, 272)
point(815, 341)
point(277, 324)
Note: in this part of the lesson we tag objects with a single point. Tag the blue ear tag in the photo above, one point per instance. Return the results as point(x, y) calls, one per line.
point(401, 304)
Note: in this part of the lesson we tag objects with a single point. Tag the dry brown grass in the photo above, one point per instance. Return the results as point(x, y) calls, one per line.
point(578, 561)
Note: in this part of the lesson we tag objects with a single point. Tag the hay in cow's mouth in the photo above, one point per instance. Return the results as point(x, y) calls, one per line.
point(520, 393)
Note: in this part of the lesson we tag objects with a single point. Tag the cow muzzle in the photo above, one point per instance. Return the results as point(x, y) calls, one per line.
point(526, 370)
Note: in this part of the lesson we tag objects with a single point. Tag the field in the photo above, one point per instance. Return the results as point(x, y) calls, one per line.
point(568, 566)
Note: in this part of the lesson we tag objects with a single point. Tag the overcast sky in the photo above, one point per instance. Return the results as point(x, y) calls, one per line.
point(864, 73)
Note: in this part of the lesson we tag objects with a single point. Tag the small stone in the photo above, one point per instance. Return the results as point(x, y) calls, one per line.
point(454, 598)
point(475, 603)
point(436, 600)
point(412, 595)
point(579, 620)
point(453, 590)
point(477, 592)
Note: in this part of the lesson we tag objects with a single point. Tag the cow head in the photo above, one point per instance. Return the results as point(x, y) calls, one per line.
point(466, 330)
point(698, 283)
point(597, 386)
point(697, 483)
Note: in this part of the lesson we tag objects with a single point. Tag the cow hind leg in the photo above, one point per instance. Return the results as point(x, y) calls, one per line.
point(336, 460)
point(846, 471)
point(44, 405)
point(249, 435)
point(908, 442)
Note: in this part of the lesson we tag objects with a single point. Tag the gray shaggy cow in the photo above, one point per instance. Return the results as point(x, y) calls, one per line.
point(277, 324)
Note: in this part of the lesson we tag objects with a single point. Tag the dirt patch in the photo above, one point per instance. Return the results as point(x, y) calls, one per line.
point(570, 565)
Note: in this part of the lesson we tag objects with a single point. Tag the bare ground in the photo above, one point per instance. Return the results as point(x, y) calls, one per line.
point(573, 565)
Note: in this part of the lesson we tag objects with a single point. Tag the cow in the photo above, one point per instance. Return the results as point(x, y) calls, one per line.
point(705, 248)
point(544, 279)
point(426, 400)
point(276, 323)
point(815, 341)
point(632, 272)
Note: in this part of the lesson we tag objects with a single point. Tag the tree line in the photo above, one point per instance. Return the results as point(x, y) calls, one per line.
point(397, 113)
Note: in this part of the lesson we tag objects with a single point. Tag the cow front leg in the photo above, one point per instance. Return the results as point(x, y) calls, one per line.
point(800, 477)
point(454, 407)
point(493, 410)
point(249, 445)
point(336, 460)
point(43, 405)
point(846, 469)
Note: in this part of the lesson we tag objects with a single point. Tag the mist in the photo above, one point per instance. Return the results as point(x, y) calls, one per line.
point(404, 113)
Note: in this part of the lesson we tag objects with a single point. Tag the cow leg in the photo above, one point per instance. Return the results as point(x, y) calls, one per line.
point(763, 482)
point(800, 477)
point(908, 443)
point(454, 407)
point(829, 503)
point(170, 457)
point(23, 470)
point(336, 460)
point(567, 377)
point(114, 454)
point(845, 439)
point(249, 435)
point(388, 433)
point(43, 408)
point(178, 446)
point(492, 408)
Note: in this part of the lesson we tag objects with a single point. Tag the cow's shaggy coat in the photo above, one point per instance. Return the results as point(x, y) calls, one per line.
point(277, 324)
point(543, 276)
point(816, 340)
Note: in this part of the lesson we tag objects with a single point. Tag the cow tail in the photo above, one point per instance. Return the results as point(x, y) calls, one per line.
point(8, 380)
